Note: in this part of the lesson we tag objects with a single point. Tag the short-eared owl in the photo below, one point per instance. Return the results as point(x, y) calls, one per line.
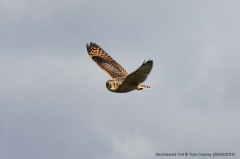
point(121, 81)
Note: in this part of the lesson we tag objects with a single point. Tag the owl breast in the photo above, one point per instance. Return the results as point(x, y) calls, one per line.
point(124, 89)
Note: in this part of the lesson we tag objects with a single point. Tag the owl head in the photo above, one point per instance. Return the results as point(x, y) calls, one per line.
point(112, 85)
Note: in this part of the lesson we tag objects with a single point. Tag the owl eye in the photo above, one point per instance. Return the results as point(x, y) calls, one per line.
point(113, 84)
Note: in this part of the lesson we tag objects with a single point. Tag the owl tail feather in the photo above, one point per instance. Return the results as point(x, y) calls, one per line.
point(140, 87)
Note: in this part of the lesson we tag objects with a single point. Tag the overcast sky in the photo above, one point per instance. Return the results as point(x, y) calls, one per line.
point(54, 101)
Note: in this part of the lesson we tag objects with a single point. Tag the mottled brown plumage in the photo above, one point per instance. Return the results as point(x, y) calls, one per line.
point(105, 62)
point(121, 82)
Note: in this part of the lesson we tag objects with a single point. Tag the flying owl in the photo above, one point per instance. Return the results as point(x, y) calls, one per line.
point(121, 81)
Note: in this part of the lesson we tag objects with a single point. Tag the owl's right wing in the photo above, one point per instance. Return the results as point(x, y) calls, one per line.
point(105, 61)
point(140, 75)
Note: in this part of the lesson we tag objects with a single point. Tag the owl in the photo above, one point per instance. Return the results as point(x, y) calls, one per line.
point(121, 81)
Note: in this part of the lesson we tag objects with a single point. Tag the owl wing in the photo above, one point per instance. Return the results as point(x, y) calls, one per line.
point(140, 75)
point(105, 62)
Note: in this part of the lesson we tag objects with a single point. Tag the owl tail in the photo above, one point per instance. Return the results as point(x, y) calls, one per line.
point(140, 87)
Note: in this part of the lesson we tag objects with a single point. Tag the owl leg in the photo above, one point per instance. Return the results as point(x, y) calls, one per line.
point(140, 87)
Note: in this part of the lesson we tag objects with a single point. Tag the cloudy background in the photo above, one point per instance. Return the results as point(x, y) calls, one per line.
point(53, 98)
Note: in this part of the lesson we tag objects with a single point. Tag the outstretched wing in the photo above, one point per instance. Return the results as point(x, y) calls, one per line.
point(140, 75)
point(105, 62)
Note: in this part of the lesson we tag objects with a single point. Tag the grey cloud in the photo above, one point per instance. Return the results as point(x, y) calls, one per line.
point(53, 98)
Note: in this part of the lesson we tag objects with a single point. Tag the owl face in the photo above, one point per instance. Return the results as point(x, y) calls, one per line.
point(112, 85)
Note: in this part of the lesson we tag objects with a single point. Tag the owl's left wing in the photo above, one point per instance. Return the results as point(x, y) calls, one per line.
point(105, 61)
point(140, 75)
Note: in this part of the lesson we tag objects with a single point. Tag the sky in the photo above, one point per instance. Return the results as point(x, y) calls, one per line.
point(54, 101)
